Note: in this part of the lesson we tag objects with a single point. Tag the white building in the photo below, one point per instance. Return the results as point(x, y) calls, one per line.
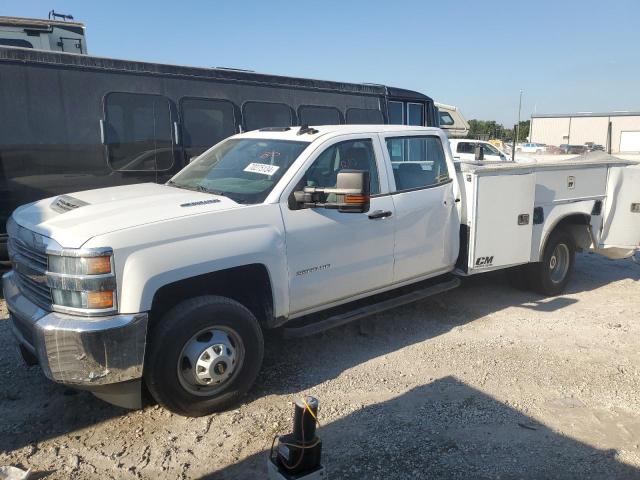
point(620, 130)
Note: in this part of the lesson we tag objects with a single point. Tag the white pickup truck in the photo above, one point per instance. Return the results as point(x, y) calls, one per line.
point(296, 228)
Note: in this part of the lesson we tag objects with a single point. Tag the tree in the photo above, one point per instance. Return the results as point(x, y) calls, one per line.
point(523, 131)
point(488, 129)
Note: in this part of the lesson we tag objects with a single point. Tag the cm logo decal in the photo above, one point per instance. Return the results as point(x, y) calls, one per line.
point(484, 261)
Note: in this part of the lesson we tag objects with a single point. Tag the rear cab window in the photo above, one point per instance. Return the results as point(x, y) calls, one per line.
point(417, 161)
point(466, 147)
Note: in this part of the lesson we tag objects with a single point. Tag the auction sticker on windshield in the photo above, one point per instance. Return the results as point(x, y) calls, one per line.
point(263, 168)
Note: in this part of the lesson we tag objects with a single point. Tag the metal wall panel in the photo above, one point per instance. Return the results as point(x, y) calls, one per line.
point(588, 129)
point(550, 131)
point(619, 125)
point(578, 130)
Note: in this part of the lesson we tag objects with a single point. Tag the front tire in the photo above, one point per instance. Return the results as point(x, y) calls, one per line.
point(551, 275)
point(204, 354)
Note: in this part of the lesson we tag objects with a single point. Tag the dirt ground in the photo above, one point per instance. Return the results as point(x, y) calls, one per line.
point(484, 382)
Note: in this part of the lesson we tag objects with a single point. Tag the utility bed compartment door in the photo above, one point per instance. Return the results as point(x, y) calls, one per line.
point(621, 221)
point(501, 222)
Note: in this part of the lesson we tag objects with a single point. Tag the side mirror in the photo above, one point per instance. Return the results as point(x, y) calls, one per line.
point(479, 153)
point(351, 192)
point(355, 185)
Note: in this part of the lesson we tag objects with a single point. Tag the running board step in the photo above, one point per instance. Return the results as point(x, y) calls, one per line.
point(314, 325)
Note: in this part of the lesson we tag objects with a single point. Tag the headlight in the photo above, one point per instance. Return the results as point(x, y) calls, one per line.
point(80, 265)
point(82, 281)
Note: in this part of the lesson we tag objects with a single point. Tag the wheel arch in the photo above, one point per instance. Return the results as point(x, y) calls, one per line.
point(574, 224)
point(249, 285)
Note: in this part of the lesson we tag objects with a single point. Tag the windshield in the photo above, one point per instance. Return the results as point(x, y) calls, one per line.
point(245, 170)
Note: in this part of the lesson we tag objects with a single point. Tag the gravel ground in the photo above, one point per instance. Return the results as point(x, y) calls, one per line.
point(483, 382)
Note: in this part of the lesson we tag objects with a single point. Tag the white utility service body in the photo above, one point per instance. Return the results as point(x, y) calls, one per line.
point(215, 257)
point(598, 187)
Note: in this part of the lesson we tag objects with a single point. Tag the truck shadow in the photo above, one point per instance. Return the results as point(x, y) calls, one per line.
point(446, 430)
point(298, 364)
point(33, 409)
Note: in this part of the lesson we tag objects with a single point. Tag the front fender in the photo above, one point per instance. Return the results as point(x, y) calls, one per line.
point(187, 247)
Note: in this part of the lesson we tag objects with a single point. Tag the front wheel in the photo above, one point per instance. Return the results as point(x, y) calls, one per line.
point(551, 275)
point(204, 354)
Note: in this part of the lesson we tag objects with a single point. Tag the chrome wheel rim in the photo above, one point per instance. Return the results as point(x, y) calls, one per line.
point(559, 263)
point(210, 360)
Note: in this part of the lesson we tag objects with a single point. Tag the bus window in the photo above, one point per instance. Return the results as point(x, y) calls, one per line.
point(15, 42)
point(415, 114)
point(364, 116)
point(266, 114)
point(396, 113)
point(138, 132)
point(315, 115)
point(205, 122)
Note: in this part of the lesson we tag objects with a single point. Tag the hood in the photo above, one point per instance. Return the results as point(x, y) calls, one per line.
point(73, 219)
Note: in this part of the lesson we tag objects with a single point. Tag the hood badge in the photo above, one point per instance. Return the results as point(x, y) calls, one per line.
point(65, 203)
point(200, 202)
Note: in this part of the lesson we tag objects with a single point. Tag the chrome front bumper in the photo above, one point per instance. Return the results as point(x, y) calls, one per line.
point(78, 351)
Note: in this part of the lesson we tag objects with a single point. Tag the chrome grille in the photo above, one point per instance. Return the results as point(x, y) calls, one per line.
point(30, 264)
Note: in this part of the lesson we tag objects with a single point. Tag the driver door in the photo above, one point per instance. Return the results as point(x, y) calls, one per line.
point(334, 256)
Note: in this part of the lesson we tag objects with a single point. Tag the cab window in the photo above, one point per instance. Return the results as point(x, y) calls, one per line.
point(466, 147)
point(490, 149)
point(417, 162)
point(351, 154)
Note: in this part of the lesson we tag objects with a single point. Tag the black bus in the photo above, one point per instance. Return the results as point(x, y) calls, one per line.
point(75, 122)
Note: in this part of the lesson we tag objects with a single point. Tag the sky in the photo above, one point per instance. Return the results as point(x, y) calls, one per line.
point(566, 56)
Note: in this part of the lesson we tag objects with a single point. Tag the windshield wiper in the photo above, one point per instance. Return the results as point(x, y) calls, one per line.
point(196, 188)
point(177, 185)
point(202, 188)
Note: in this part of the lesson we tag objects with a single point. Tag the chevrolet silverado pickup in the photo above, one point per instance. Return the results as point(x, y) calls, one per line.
point(297, 228)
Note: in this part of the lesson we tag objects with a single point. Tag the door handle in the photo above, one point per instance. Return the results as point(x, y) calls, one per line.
point(379, 214)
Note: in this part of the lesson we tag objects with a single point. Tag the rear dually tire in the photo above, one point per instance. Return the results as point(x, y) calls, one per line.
point(551, 275)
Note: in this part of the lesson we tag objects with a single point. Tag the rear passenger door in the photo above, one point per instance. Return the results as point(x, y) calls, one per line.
point(426, 226)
